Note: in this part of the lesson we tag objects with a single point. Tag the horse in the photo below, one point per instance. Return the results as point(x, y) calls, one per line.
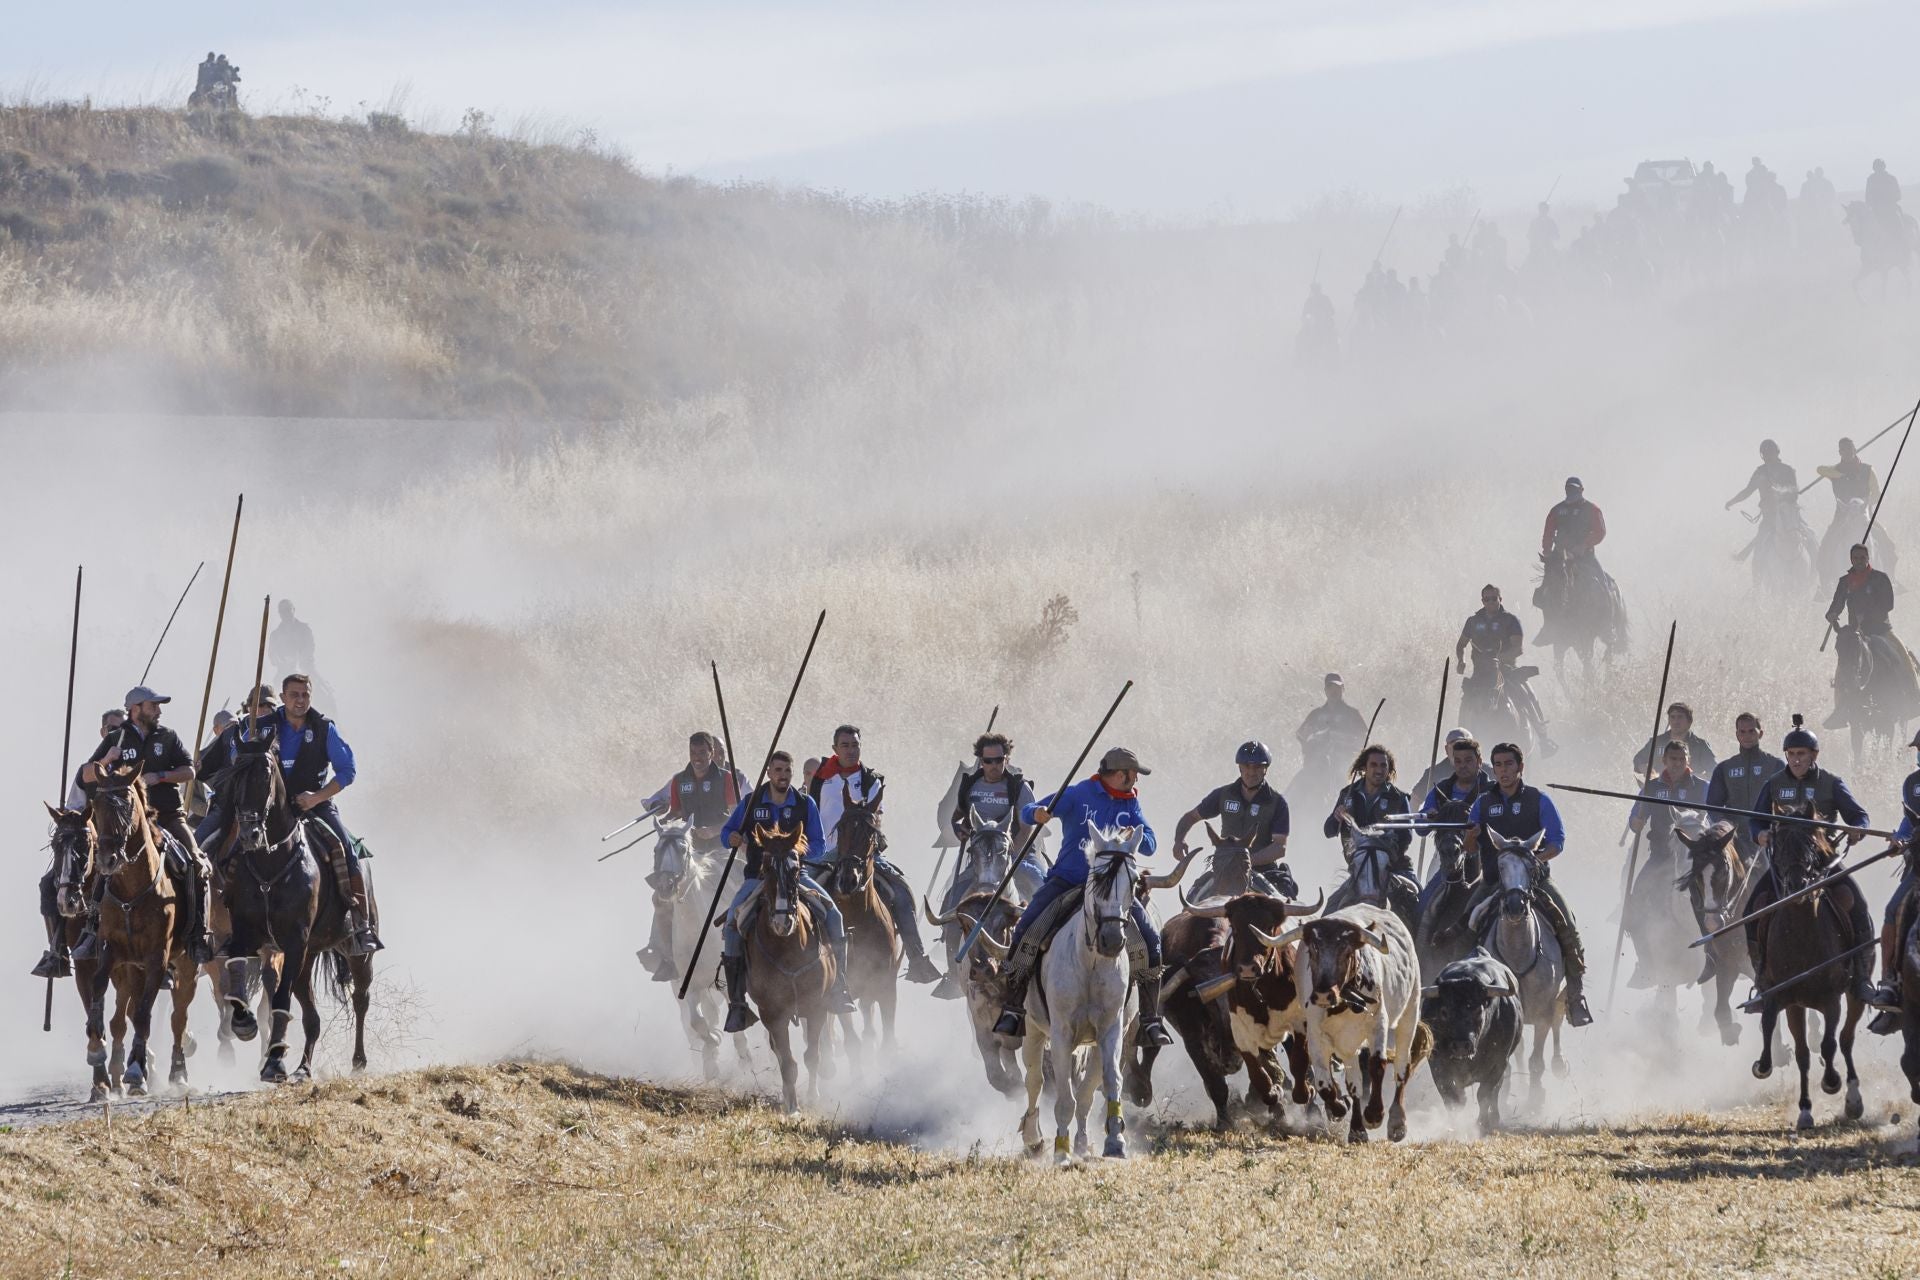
point(1659, 924)
point(1784, 551)
point(1909, 959)
point(1716, 883)
point(1844, 530)
point(873, 939)
point(141, 934)
point(984, 984)
point(1515, 933)
point(691, 886)
point(1233, 870)
point(277, 898)
point(790, 967)
point(1798, 969)
point(1370, 876)
point(1492, 707)
point(1082, 997)
point(1442, 934)
point(1581, 606)
point(74, 844)
point(1884, 249)
point(985, 853)
point(1873, 686)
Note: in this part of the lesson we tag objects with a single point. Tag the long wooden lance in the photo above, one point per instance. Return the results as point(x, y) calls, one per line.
point(1014, 863)
point(1840, 874)
point(1633, 854)
point(1875, 514)
point(148, 669)
point(219, 621)
point(1858, 448)
point(1433, 762)
point(1371, 721)
point(1702, 806)
point(1758, 1000)
point(773, 745)
point(66, 749)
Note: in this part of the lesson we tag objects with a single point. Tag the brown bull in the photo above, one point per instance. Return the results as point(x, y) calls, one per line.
point(1263, 1008)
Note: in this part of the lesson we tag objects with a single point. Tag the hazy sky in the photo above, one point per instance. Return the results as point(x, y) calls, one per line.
point(1183, 109)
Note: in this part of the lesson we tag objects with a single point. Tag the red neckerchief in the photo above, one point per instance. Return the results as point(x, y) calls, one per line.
point(830, 769)
point(1857, 578)
point(1117, 795)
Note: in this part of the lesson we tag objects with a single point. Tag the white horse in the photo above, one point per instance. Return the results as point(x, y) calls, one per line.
point(1082, 997)
point(703, 1012)
point(1515, 933)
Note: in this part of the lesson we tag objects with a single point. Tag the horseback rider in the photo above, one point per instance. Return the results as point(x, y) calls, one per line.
point(841, 776)
point(1855, 489)
point(1865, 595)
point(1882, 195)
point(995, 791)
point(219, 756)
point(1251, 814)
point(206, 74)
point(1574, 527)
point(1737, 780)
point(776, 803)
point(1675, 781)
point(1368, 797)
point(1893, 930)
point(1806, 789)
point(1679, 729)
point(1329, 735)
point(55, 962)
point(1518, 812)
point(1442, 769)
point(1543, 235)
point(1775, 482)
point(318, 765)
point(1450, 798)
point(1108, 799)
point(701, 795)
point(162, 761)
point(1496, 639)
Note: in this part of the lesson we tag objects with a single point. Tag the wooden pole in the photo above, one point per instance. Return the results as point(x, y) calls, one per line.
point(66, 747)
point(220, 619)
point(1633, 855)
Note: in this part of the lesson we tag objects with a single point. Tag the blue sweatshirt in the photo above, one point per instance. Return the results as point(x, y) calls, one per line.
point(797, 806)
point(1072, 809)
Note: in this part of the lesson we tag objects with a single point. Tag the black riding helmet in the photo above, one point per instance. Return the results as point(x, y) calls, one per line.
point(1800, 736)
point(1253, 753)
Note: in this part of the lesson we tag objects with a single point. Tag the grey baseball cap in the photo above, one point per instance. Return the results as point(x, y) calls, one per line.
point(1122, 758)
point(140, 693)
point(1455, 735)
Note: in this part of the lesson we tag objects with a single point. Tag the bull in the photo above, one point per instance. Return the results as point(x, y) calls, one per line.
point(1358, 979)
point(1473, 1013)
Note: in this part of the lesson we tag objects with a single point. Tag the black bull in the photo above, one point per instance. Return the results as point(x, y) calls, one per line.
point(1474, 1013)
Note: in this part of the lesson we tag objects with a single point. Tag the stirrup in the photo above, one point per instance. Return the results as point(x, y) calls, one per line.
point(739, 1018)
point(1012, 1024)
point(921, 969)
point(53, 965)
point(1154, 1031)
point(1578, 1015)
point(1885, 996)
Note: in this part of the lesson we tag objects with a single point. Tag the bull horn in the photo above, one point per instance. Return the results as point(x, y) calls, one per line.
point(1378, 940)
point(1210, 909)
point(1169, 879)
point(1276, 941)
point(1427, 993)
point(1500, 991)
point(1173, 984)
point(995, 948)
point(1295, 909)
point(937, 921)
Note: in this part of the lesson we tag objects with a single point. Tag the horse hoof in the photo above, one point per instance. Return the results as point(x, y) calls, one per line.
point(189, 1045)
point(1762, 1070)
point(273, 1071)
point(1856, 1105)
point(1116, 1148)
point(97, 1057)
point(1830, 1083)
point(1397, 1129)
point(99, 1094)
point(136, 1088)
point(225, 1053)
point(1559, 1068)
point(301, 1075)
point(1730, 1034)
point(1035, 1150)
point(1357, 1135)
point(177, 1077)
point(245, 1025)
point(359, 1066)
point(1805, 1122)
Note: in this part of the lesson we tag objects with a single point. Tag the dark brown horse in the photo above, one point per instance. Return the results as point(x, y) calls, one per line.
point(1907, 941)
point(790, 967)
point(141, 934)
point(873, 940)
point(1807, 934)
point(73, 857)
point(1716, 882)
point(279, 896)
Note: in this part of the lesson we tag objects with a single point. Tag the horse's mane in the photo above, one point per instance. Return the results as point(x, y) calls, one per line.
point(1107, 874)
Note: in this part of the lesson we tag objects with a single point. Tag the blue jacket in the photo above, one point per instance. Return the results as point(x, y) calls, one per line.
point(798, 806)
point(339, 754)
point(1071, 809)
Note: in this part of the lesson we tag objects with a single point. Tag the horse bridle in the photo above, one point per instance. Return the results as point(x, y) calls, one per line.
point(251, 839)
point(1088, 910)
point(1382, 859)
point(853, 868)
point(1001, 840)
point(111, 856)
point(73, 852)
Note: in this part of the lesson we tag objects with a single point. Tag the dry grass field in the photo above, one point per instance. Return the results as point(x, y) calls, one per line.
point(534, 1169)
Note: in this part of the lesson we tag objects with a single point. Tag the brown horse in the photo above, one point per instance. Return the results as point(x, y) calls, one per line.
point(141, 935)
point(282, 896)
point(1716, 882)
point(790, 967)
point(1807, 934)
point(873, 940)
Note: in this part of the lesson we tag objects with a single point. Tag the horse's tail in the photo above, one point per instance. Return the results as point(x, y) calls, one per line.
point(339, 977)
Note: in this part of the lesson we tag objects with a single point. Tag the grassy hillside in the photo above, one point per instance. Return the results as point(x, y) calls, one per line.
point(540, 1170)
point(303, 265)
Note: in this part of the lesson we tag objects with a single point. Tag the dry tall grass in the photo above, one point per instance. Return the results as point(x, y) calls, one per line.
point(541, 1170)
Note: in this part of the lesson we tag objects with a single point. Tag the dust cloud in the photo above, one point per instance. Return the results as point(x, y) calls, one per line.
point(514, 623)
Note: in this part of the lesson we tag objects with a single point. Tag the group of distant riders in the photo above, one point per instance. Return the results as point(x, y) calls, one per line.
point(216, 84)
point(1478, 790)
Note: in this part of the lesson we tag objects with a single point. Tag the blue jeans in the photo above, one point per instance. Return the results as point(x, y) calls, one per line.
point(832, 924)
point(1050, 891)
point(328, 813)
point(898, 895)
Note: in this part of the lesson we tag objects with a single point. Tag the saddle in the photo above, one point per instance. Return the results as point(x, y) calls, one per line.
point(1050, 921)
